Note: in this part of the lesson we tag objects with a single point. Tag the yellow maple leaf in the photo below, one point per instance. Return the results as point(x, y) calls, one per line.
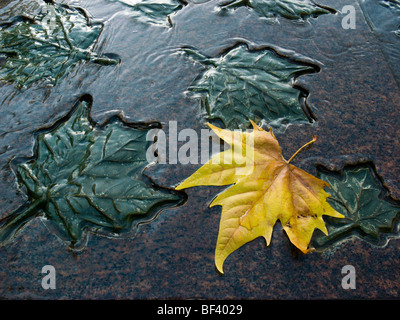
point(266, 188)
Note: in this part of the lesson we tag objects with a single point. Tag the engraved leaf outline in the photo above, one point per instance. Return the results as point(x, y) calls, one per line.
point(154, 12)
point(86, 177)
point(298, 10)
point(257, 84)
point(371, 214)
point(49, 46)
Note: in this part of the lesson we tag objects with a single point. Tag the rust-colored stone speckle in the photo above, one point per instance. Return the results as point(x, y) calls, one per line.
point(355, 98)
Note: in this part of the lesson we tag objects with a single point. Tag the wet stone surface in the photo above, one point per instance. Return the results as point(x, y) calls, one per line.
point(354, 98)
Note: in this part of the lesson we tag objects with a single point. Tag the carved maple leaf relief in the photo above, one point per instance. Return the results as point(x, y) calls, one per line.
point(48, 47)
point(86, 177)
point(247, 84)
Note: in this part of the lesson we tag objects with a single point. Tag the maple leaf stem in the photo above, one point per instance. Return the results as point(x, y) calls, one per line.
point(198, 57)
point(302, 148)
point(10, 225)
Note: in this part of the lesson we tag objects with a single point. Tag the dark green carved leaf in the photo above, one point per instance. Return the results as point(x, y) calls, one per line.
point(157, 12)
point(370, 213)
point(89, 177)
point(257, 85)
point(289, 9)
point(48, 47)
point(13, 8)
point(392, 5)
